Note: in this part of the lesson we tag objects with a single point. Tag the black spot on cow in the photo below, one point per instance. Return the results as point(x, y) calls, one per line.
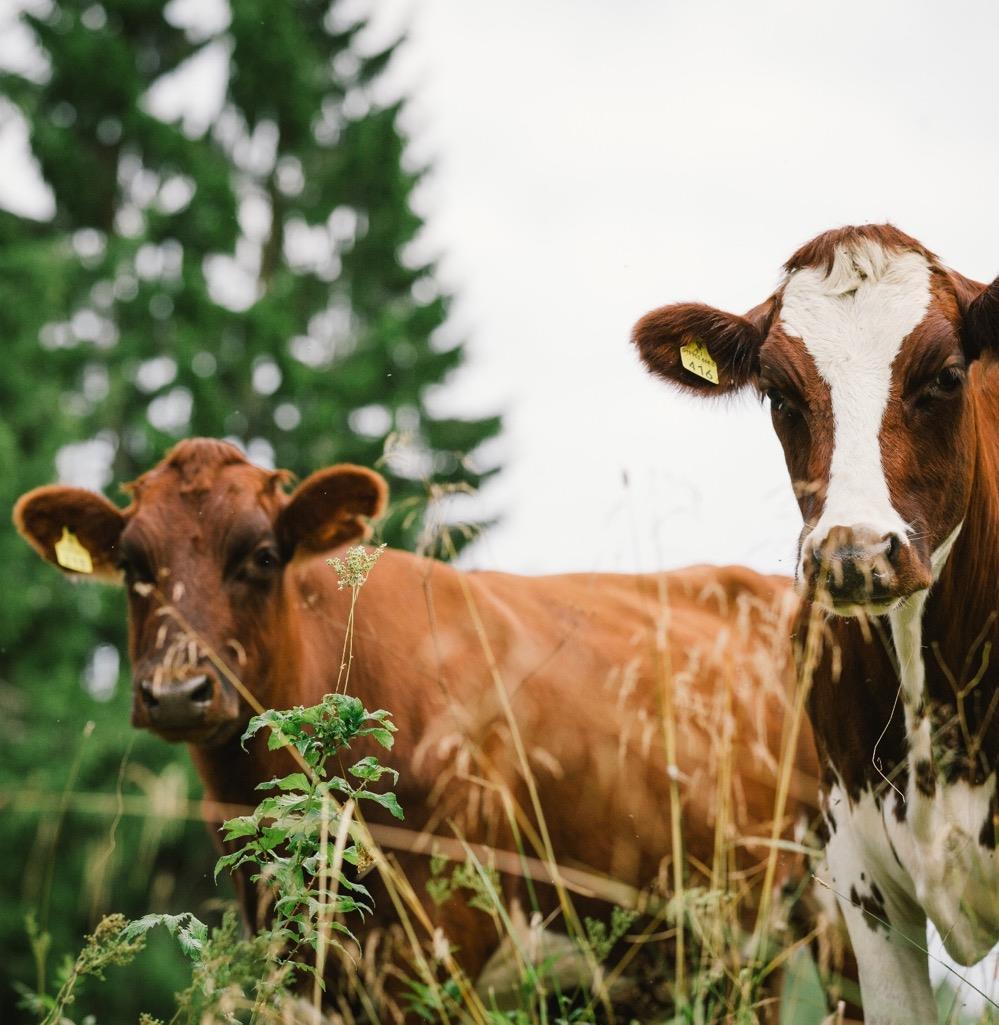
point(899, 808)
point(823, 830)
point(873, 906)
point(894, 853)
point(990, 827)
point(828, 824)
point(926, 780)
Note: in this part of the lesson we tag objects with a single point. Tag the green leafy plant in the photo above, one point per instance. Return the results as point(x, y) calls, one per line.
point(234, 977)
point(602, 936)
point(478, 886)
point(109, 945)
point(298, 836)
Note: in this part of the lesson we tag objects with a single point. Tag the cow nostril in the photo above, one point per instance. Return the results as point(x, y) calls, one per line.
point(893, 547)
point(202, 694)
point(149, 699)
point(817, 559)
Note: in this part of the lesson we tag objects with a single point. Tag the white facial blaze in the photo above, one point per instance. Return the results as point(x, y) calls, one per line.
point(853, 321)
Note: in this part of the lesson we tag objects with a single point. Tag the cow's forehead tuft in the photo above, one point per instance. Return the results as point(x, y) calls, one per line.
point(869, 298)
point(865, 240)
point(193, 464)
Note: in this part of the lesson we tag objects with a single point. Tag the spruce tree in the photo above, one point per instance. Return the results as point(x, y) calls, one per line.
point(255, 280)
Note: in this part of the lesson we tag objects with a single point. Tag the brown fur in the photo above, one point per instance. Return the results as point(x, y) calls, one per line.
point(576, 656)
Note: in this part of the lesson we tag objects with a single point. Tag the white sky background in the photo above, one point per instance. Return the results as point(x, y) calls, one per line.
point(594, 160)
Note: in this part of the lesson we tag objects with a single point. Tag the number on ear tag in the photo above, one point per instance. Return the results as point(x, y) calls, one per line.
point(695, 357)
point(70, 554)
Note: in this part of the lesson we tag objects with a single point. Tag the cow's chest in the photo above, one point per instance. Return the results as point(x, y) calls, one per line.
point(934, 847)
point(937, 850)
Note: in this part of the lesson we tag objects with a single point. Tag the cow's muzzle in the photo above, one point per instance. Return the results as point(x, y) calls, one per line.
point(196, 708)
point(855, 570)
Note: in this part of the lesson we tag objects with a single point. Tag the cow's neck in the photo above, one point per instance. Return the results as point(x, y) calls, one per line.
point(939, 640)
point(944, 638)
point(309, 644)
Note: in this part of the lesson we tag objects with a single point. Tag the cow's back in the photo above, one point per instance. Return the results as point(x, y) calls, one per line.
point(593, 669)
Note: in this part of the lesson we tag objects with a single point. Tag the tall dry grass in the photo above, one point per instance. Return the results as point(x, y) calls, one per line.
point(704, 946)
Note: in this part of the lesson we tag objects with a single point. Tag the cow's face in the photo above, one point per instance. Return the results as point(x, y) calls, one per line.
point(864, 353)
point(204, 551)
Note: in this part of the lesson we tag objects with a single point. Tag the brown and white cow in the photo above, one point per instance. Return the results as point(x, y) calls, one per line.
point(881, 369)
point(212, 549)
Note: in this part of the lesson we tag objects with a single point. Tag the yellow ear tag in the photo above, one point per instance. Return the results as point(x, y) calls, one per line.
point(695, 357)
point(70, 554)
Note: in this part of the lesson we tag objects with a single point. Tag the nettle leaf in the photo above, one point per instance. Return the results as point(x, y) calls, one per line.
point(271, 837)
point(277, 739)
point(340, 784)
point(387, 801)
point(296, 781)
point(350, 710)
point(192, 937)
point(254, 726)
point(232, 861)
point(270, 807)
point(382, 735)
point(141, 926)
point(244, 825)
point(371, 770)
point(283, 834)
point(360, 889)
point(191, 933)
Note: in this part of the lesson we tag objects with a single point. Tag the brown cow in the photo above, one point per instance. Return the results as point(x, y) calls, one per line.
point(213, 548)
point(881, 368)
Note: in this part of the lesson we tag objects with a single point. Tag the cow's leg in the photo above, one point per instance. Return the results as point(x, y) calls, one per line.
point(888, 932)
point(894, 972)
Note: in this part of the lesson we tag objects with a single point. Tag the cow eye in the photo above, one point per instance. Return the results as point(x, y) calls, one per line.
point(780, 404)
point(263, 562)
point(948, 380)
point(946, 384)
point(265, 558)
point(135, 569)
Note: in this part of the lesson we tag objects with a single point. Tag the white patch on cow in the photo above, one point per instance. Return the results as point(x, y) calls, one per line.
point(956, 879)
point(907, 632)
point(853, 321)
point(950, 882)
point(894, 970)
point(927, 862)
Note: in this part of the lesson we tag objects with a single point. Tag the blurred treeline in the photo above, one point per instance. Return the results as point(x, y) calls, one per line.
point(260, 279)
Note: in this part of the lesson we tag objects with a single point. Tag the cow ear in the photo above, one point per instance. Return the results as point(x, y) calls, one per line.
point(701, 349)
point(330, 508)
point(74, 529)
point(980, 334)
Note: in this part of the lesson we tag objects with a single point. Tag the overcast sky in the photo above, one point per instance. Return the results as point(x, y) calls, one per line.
point(594, 160)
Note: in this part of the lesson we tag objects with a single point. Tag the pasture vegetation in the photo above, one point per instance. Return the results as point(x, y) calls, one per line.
point(680, 952)
point(700, 946)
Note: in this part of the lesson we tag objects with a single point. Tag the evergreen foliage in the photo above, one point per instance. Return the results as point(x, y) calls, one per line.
point(257, 280)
